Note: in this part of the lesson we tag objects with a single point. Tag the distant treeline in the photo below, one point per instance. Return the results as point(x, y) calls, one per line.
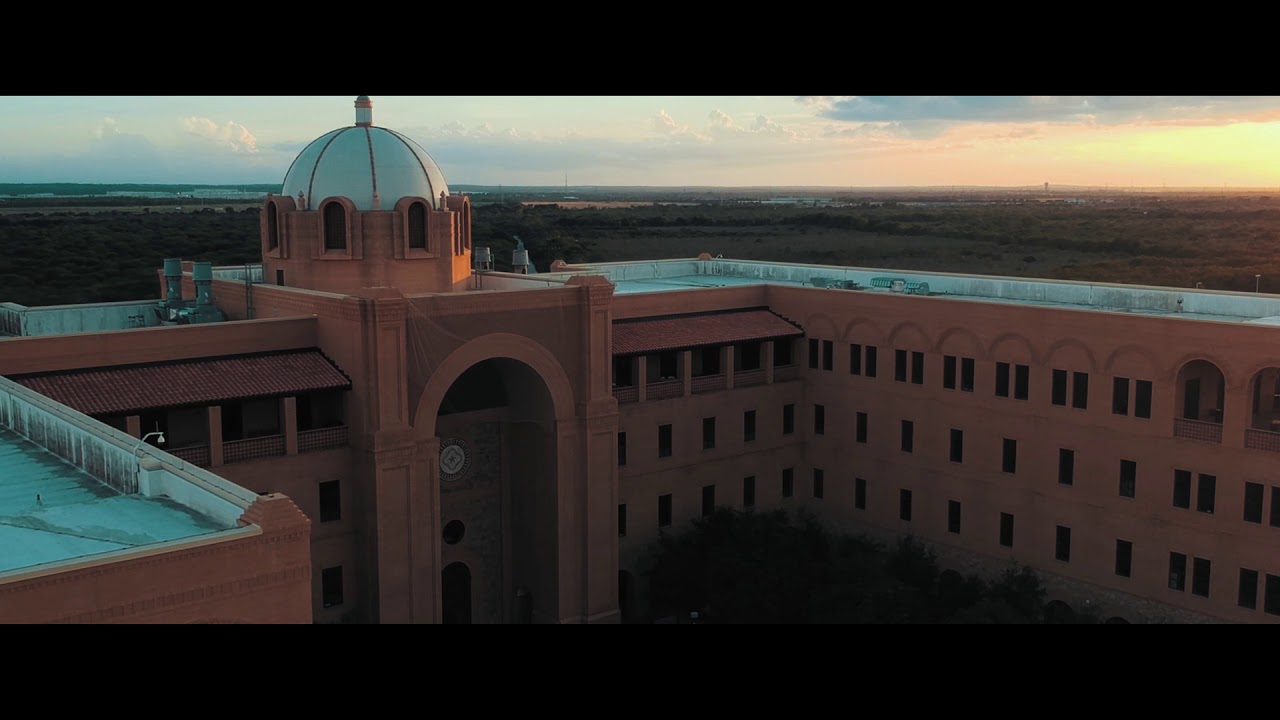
point(92, 189)
point(77, 256)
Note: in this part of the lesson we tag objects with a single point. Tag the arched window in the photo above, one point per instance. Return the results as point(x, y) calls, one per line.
point(273, 227)
point(418, 226)
point(335, 227)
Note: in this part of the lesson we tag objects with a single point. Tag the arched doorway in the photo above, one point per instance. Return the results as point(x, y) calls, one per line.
point(1057, 612)
point(1116, 620)
point(1201, 392)
point(498, 487)
point(456, 594)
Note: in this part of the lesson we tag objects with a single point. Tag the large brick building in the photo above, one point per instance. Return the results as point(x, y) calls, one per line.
point(479, 446)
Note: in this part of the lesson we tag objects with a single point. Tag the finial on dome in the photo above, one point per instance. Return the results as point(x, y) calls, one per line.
point(364, 111)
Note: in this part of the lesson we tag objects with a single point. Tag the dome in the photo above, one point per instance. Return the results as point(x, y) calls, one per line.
point(355, 162)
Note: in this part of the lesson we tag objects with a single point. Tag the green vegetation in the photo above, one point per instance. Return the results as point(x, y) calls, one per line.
point(762, 567)
point(64, 252)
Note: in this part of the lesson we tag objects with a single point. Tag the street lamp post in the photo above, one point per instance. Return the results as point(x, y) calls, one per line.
point(1257, 282)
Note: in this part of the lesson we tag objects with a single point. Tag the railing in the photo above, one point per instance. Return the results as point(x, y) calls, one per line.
point(196, 454)
point(665, 390)
point(322, 439)
point(748, 378)
point(707, 383)
point(1197, 430)
point(786, 372)
point(627, 394)
point(1262, 440)
point(238, 450)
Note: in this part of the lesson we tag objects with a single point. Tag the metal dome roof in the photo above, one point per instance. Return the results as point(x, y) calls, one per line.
point(355, 162)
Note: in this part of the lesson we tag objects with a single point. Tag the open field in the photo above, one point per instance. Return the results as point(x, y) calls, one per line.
point(86, 253)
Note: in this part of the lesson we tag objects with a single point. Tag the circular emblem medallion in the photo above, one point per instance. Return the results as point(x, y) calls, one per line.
point(455, 459)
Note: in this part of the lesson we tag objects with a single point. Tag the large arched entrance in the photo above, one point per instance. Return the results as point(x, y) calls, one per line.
point(498, 489)
point(456, 594)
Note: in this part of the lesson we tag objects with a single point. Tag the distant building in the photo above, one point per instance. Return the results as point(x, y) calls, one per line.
point(501, 447)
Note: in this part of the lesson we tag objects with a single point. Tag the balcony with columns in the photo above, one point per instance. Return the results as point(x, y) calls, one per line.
point(696, 371)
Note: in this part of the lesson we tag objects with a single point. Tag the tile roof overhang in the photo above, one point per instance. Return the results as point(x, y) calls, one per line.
point(183, 383)
point(683, 332)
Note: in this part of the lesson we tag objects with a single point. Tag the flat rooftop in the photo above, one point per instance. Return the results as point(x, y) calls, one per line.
point(671, 275)
point(76, 514)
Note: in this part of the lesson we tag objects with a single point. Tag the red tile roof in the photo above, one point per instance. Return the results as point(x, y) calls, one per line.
point(207, 381)
point(680, 332)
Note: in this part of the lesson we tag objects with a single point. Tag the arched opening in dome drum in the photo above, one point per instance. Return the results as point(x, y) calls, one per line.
point(273, 227)
point(335, 227)
point(418, 226)
point(456, 594)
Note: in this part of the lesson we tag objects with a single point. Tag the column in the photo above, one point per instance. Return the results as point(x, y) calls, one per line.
point(290, 410)
point(642, 370)
point(1236, 414)
point(686, 371)
point(215, 435)
point(768, 361)
point(133, 424)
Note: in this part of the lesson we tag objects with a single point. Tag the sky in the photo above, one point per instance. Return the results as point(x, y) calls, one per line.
point(838, 141)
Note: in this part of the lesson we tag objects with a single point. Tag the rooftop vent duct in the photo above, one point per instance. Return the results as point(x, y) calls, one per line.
point(173, 281)
point(520, 258)
point(483, 258)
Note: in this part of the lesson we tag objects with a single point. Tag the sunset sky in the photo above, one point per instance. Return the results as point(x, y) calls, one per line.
point(675, 141)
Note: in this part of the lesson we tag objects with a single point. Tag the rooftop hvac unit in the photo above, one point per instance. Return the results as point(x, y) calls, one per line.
point(885, 282)
point(898, 285)
point(819, 282)
point(483, 258)
point(917, 288)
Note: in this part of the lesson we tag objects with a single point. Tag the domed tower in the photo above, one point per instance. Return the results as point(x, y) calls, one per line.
point(364, 206)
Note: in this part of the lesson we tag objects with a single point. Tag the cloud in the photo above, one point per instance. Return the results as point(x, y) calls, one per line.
point(943, 111)
point(107, 128)
point(720, 120)
point(231, 135)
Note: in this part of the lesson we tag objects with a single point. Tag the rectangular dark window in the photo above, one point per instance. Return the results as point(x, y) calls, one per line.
point(966, 374)
point(1080, 390)
point(1200, 576)
point(904, 505)
point(788, 482)
point(1128, 478)
point(859, 494)
point(900, 365)
point(622, 520)
point(749, 426)
point(330, 501)
point(953, 516)
point(1021, 382)
point(331, 586)
point(957, 445)
point(1002, 379)
point(1271, 603)
point(855, 359)
point(664, 441)
point(1182, 489)
point(788, 419)
point(1120, 396)
point(813, 353)
point(749, 491)
point(1253, 503)
point(908, 435)
point(280, 277)
point(828, 354)
point(1248, 595)
point(917, 368)
point(1124, 558)
point(869, 368)
point(860, 428)
point(1009, 462)
point(708, 499)
point(818, 480)
point(1275, 506)
point(708, 433)
point(1142, 399)
point(664, 510)
point(1062, 545)
point(1177, 571)
point(1006, 530)
point(1059, 396)
point(819, 420)
point(949, 372)
point(1207, 495)
point(1066, 466)
point(622, 448)
point(782, 352)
